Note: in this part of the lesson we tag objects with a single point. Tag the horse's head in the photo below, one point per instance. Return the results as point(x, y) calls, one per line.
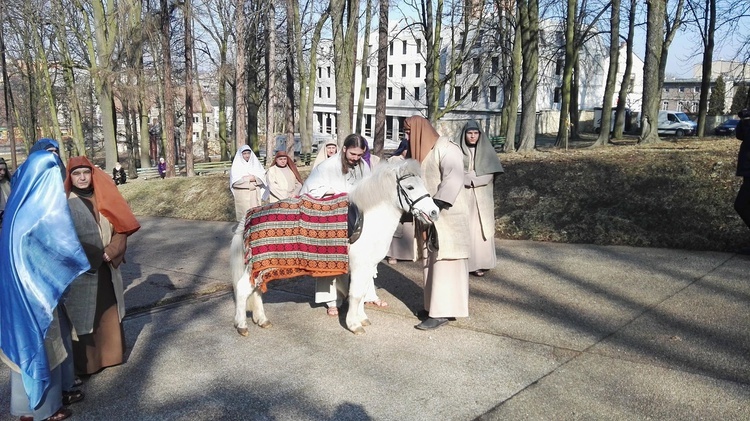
point(413, 195)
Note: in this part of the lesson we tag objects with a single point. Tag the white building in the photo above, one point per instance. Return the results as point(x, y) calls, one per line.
point(482, 100)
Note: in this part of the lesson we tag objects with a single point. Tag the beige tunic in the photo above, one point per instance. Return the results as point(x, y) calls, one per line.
point(403, 245)
point(282, 184)
point(446, 275)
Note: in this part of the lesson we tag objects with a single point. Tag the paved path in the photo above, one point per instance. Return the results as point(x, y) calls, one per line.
point(557, 332)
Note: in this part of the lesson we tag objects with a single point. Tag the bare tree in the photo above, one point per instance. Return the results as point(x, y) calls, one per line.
point(7, 92)
point(364, 71)
point(609, 88)
point(188, 23)
point(625, 85)
point(528, 13)
point(271, 78)
point(345, 20)
point(651, 71)
point(240, 78)
point(166, 55)
point(380, 93)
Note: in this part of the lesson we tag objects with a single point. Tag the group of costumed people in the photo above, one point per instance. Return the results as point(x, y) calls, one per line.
point(458, 174)
point(63, 237)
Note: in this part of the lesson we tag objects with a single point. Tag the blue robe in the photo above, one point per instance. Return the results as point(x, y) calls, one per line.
point(40, 255)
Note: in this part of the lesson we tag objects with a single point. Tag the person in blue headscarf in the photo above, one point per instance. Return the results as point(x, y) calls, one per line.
point(40, 255)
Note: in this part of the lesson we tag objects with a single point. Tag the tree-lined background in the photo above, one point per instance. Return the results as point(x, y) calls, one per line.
point(89, 72)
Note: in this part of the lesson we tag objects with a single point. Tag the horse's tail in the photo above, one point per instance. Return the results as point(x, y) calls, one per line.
point(237, 253)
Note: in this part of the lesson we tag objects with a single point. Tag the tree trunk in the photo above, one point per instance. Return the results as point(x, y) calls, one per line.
point(379, 134)
point(240, 79)
point(563, 129)
point(377, 148)
point(345, 18)
point(271, 77)
point(529, 17)
point(8, 95)
point(708, 56)
point(625, 86)
point(510, 110)
point(651, 72)
point(168, 129)
point(188, 23)
point(609, 87)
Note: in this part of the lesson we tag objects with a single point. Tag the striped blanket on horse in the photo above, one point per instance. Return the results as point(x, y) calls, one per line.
point(297, 236)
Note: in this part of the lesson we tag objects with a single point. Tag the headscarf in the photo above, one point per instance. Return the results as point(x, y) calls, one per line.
point(241, 168)
point(109, 201)
point(289, 163)
point(40, 255)
point(46, 143)
point(422, 136)
point(485, 157)
point(322, 155)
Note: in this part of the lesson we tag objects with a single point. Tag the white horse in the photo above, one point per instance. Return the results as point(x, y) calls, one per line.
point(382, 198)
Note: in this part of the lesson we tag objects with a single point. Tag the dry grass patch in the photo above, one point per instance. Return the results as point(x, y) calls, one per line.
point(674, 194)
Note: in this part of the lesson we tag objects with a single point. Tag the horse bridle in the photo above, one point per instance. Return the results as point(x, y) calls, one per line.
point(401, 192)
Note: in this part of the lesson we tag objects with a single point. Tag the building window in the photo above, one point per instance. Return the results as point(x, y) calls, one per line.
point(390, 48)
point(475, 65)
point(460, 69)
point(208, 119)
point(680, 106)
point(665, 105)
point(195, 135)
point(697, 89)
point(403, 70)
point(328, 91)
point(320, 92)
point(390, 93)
point(559, 66)
point(493, 93)
point(404, 44)
point(367, 93)
point(195, 119)
point(558, 92)
point(682, 89)
point(416, 93)
point(367, 72)
point(666, 89)
point(457, 91)
point(495, 64)
point(419, 46)
point(329, 71)
point(320, 72)
point(474, 94)
point(417, 70)
point(390, 70)
point(403, 93)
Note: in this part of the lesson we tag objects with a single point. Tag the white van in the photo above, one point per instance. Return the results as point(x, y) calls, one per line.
point(676, 123)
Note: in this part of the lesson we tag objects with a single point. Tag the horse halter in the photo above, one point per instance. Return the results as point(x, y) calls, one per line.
point(401, 192)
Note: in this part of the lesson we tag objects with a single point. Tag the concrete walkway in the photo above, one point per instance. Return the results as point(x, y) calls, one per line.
point(557, 332)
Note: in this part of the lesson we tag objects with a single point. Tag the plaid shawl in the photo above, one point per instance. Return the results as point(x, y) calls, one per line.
point(297, 236)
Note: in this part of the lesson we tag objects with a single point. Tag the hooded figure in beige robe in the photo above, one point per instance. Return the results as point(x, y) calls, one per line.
point(447, 249)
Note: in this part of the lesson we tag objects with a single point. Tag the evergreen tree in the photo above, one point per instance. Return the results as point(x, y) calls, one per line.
point(740, 98)
point(716, 100)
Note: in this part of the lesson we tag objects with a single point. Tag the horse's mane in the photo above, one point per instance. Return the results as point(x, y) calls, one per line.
point(381, 185)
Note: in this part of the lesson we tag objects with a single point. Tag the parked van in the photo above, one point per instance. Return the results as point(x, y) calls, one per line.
point(598, 120)
point(676, 123)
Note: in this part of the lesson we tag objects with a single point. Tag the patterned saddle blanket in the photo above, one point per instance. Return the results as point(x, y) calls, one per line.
point(295, 237)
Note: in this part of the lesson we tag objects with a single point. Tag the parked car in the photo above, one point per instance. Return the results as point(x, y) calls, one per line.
point(726, 128)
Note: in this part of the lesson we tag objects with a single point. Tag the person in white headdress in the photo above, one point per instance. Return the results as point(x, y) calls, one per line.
point(329, 149)
point(247, 181)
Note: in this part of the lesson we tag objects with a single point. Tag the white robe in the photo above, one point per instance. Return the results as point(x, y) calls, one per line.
point(247, 194)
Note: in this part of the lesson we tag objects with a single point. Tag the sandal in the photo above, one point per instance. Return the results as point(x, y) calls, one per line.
point(78, 382)
point(376, 303)
point(392, 261)
point(478, 273)
point(60, 415)
point(333, 311)
point(70, 397)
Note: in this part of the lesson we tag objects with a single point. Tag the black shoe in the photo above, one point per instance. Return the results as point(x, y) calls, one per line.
point(422, 314)
point(432, 323)
point(70, 397)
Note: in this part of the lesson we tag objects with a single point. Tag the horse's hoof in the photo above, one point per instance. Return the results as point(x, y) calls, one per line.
point(359, 330)
point(242, 331)
point(366, 322)
point(265, 324)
